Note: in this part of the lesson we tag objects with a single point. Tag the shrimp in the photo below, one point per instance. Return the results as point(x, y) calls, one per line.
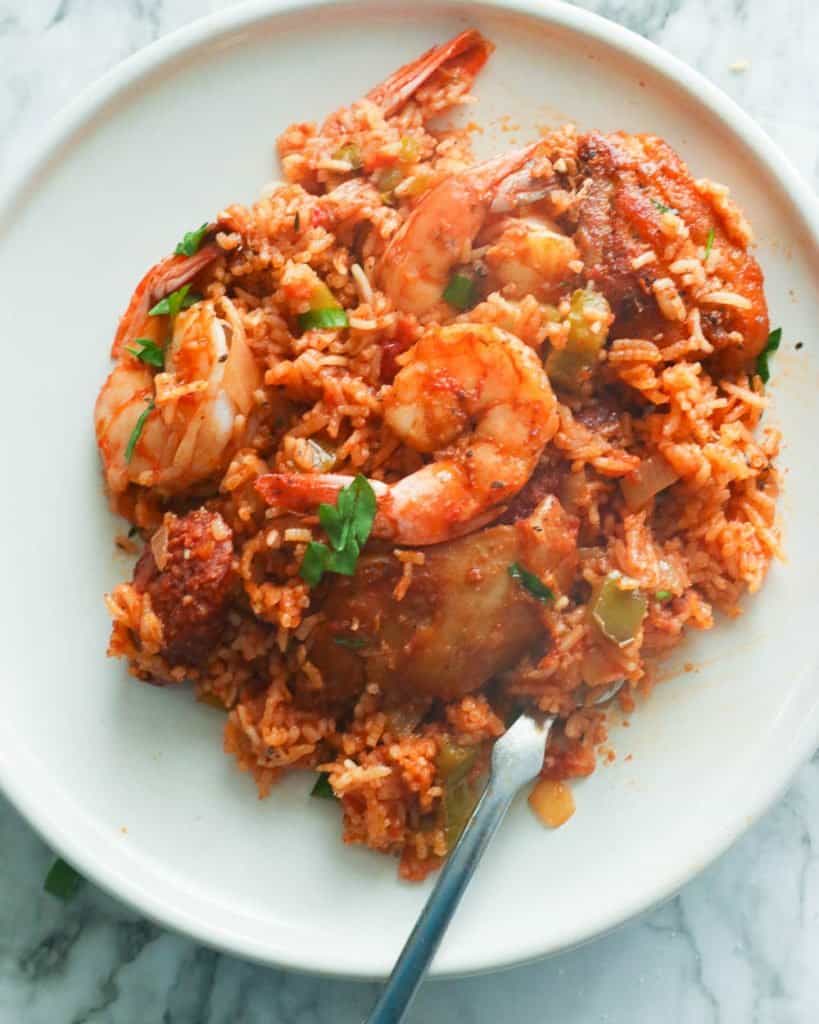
point(417, 264)
point(178, 427)
point(476, 398)
point(375, 134)
point(533, 255)
point(165, 277)
point(465, 54)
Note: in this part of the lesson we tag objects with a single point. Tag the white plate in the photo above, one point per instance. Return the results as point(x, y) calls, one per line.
point(129, 782)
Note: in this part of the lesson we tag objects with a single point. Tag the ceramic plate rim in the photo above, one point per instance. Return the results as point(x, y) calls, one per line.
point(67, 126)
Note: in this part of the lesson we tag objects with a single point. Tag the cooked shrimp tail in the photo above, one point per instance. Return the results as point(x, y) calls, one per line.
point(465, 54)
point(163, 278)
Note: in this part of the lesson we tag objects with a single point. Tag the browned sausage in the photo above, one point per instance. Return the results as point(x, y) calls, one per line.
point(190, 592)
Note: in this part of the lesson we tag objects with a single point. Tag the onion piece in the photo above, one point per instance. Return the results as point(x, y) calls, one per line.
point(653, 475)
point(241, 377)
point(159, 548)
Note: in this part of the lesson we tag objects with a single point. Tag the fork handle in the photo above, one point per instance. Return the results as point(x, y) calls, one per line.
point(426, 936)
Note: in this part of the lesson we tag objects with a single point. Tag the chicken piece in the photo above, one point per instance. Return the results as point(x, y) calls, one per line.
point(190, 587)
point(632, 184)
point(463, 620)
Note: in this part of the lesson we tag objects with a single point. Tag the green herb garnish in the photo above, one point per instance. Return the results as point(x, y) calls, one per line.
point(530, 582)
point(771, 345)
point(663, 595)
point(148, 352)
point(709, 243)
point(318, 319)
point(662, 207)
point(62, 880)
point(173, 304)
point(191, 241)
point(460, 292)
point(322, 787)
point(347, 524)
point(352, 643)
point(136, 433)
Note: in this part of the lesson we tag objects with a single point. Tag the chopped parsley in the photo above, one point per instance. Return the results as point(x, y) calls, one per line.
point(191, 241)
point(460, 292)
point(352, 643)
point(62, 881)
point(173, 304)
point(771, 345)
point(136, 433)
point(347, 524)
point(709, 243)
point(662, 207)
point(322, 787)
point(663, 595)
point(148, 352)
point(530, 582)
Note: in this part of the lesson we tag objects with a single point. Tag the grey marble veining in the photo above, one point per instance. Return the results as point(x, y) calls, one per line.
point(738, 946)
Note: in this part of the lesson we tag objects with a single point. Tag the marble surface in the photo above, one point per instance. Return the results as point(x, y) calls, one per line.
point(738, 946)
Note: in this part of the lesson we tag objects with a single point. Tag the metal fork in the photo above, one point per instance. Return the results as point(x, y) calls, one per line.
point(517, 758)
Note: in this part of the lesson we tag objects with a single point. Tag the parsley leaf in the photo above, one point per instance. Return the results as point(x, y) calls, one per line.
point(709, 243)
point(530, 582)
point(322, 787)
point(149, 352)
point(174, 303)
point(191, 241)
point(771, 345)
point(352, 643)
point(314, 562)
point(663, 595)
point(62, 880)
point(347, 524)
point(662, 207)
point(137, 431)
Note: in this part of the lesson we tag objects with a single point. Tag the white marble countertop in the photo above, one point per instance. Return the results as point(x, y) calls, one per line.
point(738, 946)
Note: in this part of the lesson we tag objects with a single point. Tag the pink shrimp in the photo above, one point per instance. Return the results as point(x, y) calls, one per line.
point(479, 400)
point(163, 278)
point(438, 234)
point(468, 51)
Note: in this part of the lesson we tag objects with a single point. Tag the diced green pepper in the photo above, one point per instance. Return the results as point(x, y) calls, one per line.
point(351, 153)
point(454, 765)
point(387, 179)
point(572, 365)
point(618, 612)
point(454, 762)
point(459, 803)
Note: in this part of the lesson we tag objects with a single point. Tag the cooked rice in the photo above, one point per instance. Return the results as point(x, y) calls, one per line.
point(708, 541)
